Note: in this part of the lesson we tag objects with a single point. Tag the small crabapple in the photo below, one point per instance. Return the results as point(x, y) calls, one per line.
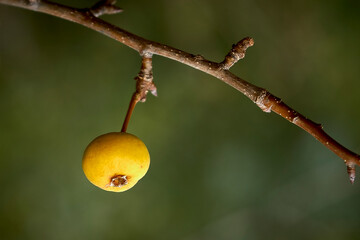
point(115, 161)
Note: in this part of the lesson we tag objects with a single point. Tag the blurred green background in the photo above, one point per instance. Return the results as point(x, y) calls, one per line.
point(220, 168)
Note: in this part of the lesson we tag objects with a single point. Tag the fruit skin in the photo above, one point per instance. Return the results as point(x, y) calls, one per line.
point(115, 154)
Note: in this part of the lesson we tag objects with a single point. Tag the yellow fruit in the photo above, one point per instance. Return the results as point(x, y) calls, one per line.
point(115, 161)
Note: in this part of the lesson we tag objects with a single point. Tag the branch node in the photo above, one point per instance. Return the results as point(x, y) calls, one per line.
point(237, 52)
point(144, 79)
point(105, 7)
point(295, 119)
point(260, 101)
point(145, 53)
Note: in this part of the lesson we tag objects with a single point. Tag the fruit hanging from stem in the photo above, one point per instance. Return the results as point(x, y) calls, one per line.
point(116, 161)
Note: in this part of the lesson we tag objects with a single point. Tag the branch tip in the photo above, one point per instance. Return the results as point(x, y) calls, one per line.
point(154, 92)
point(351, 172)
point(237, 52)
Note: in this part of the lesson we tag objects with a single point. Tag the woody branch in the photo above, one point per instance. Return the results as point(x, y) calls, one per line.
point(89, 17)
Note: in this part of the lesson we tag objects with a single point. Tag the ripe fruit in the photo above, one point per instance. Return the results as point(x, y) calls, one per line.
point(115, 161)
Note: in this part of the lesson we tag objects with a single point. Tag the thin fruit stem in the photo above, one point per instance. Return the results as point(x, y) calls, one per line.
point(134, 100)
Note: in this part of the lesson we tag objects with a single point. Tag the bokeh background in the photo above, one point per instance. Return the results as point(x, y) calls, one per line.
point(220, 167)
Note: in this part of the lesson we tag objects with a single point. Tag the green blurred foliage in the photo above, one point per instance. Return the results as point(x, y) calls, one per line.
point(221, 169)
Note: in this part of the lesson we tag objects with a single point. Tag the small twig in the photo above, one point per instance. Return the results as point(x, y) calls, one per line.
point(237, 52)
point(265, 100)
point(144, 84)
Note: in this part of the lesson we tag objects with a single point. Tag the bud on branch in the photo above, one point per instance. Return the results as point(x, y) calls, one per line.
point(105, 7)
